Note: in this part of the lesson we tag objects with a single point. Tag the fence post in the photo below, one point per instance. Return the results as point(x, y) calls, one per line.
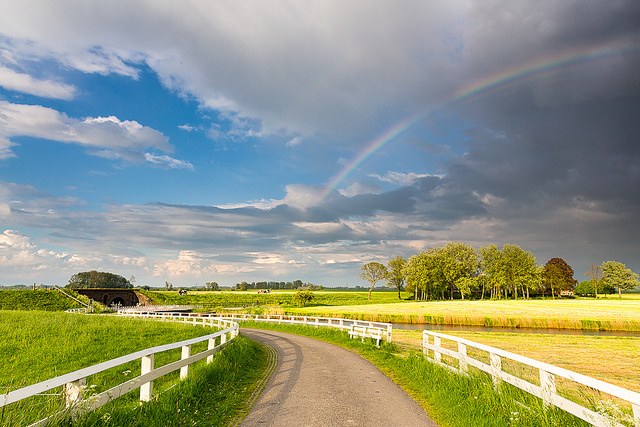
point(73, 392)
point(463, 366)
point(496, 367)
point(146, 388)
point(186, 353)
point(548, 385)
point(212, 344)
point(389, 332)
point(636, 414)
point(223, 339)
point(425, 343)
point(436, 354)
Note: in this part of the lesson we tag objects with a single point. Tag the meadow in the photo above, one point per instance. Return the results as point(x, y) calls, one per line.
point(39, 345)
point(216, 300)
point(604, 314)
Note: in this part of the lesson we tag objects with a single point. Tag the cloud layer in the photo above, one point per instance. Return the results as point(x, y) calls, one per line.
point(528, 134)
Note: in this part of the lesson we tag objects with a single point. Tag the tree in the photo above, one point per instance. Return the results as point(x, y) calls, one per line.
point(584, 288)
point(595, 277)
point(558, 275)
point(213, 286)
point(395, 274)
point(242, 286)
point(458, 261)
point(617, 274)
point(373, 272)
point(97, 279)
point(301, 298)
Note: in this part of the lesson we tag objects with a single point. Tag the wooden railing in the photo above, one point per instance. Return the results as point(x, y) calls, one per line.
point(367, 328)
point(547, 374)
point(73, 383)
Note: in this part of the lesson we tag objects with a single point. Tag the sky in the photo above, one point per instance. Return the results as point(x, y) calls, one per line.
point(230, 141)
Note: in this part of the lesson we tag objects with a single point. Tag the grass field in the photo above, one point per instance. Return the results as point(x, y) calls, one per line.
point(39, 299)
point(39, 345)
point(607, 314)
point(212, 300)
point(613, 359)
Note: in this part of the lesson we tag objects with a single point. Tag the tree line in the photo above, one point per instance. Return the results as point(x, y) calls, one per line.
point(296, 284)
point(458, 271)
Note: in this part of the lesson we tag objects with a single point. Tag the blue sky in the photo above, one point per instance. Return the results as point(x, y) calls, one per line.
point(195, 142)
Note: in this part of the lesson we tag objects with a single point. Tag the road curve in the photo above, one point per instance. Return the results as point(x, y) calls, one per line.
point(320, 384)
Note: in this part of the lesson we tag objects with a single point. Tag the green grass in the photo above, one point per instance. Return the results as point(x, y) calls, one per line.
point(215, 300)
point(451, 400)
point(39, 345)
point(610, 314)
point(212, 395)
point(39, 299)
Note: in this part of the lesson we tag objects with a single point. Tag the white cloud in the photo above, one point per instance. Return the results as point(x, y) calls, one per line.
point(357, 189)
point(20, 82)
point(187, 127)
point(400, 178)
point(107, 137)
point(168, 161)
point(296, 140)
point(302, 196)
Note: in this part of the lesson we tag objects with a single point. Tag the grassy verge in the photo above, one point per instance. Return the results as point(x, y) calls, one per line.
point(39, 299)
point(39, 345)
point(616, 361)
point(452, 400)
point(611, 314)
point(212, 395)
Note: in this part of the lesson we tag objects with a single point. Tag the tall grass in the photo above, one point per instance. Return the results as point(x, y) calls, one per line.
point(212, 395)
point(38, 345)
point(581, 314)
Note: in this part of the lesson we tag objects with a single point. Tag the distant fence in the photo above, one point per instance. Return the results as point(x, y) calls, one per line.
point(545, 389)
point(356, 328)
point(73, 383)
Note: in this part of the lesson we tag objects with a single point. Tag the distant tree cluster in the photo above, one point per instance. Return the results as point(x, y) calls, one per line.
point(97, 279)
point(458, 271)
point(296, 284)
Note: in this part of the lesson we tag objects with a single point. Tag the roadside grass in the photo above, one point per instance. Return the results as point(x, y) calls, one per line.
point(216, 300)
point(606, 314)
point(38, 299)
point(451, 400)
point(613, 359)
point(39, 345)
point(212, 395)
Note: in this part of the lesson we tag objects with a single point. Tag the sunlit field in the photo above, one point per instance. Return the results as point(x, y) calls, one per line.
point(582, 314)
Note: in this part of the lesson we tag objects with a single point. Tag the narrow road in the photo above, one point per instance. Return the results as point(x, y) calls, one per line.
point(320, 384)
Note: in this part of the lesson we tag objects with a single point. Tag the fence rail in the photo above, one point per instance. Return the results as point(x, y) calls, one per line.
point(545, 390)
point(73, 382)
point(385, 329)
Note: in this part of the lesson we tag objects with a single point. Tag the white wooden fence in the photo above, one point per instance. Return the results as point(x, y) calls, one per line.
point(74, 382)
point(356, 328)
point(545, 390)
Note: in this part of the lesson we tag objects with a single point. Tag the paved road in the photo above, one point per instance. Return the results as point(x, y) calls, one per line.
point(319, 384)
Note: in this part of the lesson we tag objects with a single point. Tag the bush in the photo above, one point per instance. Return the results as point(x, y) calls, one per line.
point(303, 297)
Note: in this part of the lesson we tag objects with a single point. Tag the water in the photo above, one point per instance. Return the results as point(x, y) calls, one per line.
point(452, 328)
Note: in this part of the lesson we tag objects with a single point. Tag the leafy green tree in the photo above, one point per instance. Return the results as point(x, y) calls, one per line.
point(458, 262)
point(492, 272)
point(617, 274)
point(212, 286)
point(97, 279)
point(242, 286)
point(584, 289)
point(373, 272)
point(395, 273)
point(302, 298)
point(509, 270)
point(557, 275)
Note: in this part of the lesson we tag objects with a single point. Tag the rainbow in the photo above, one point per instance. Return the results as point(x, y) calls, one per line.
point(482, 87)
